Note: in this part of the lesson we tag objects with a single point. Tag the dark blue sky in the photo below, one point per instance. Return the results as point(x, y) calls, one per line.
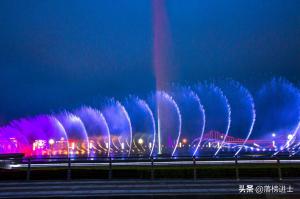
point(56, 54)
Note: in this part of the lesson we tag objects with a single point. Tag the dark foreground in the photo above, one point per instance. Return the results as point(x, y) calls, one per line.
point(159, 178)
point(143, 188)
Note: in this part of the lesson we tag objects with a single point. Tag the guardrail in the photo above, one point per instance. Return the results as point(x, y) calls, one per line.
point(151, 163)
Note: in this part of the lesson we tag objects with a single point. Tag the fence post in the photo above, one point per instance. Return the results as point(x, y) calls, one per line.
point(69, 169)
point(194, 168)
point(237, 173)
point(152, 168)
point(110, 169)
point(279, 170)
point(28, 169)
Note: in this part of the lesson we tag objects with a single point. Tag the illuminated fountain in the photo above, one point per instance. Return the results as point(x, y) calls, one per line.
point(169, 122)
point(13, 141)
point(193, 120)
point(119, 125)
point(76, 134)
point(218, 114)
point(97, 131)
point(278, 111)
point(44, 136)
point(201, 120)
point(243, 115)
point(143, 126)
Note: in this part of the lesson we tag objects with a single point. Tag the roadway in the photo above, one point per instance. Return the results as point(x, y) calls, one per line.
point(142, 188)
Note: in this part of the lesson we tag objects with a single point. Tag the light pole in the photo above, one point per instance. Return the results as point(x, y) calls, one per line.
point(51, 142)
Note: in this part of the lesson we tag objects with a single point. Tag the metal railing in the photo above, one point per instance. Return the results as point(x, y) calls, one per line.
point(151, 163)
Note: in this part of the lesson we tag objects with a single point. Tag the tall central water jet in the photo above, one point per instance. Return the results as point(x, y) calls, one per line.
point(169, 122)
point(161, 45)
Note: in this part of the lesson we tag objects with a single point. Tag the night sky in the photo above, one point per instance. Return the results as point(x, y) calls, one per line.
point(61, 54)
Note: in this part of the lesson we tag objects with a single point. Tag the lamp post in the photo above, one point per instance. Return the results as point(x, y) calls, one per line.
point(51, 142)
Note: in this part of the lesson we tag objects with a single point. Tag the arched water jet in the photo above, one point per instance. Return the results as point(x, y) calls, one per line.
point(45, 135)
point(228, 121)
point(120, 127)
point(12, 141)
point(215, 101)
point(243, 112)
point(169, 122)
point(278, 105)
point(143, 123)
point(193, 119)
point(77, 136)
point(292, 142)
point(97, 130)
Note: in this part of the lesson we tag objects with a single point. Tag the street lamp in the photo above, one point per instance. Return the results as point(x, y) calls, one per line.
point(140, 141)
point(51, 142)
